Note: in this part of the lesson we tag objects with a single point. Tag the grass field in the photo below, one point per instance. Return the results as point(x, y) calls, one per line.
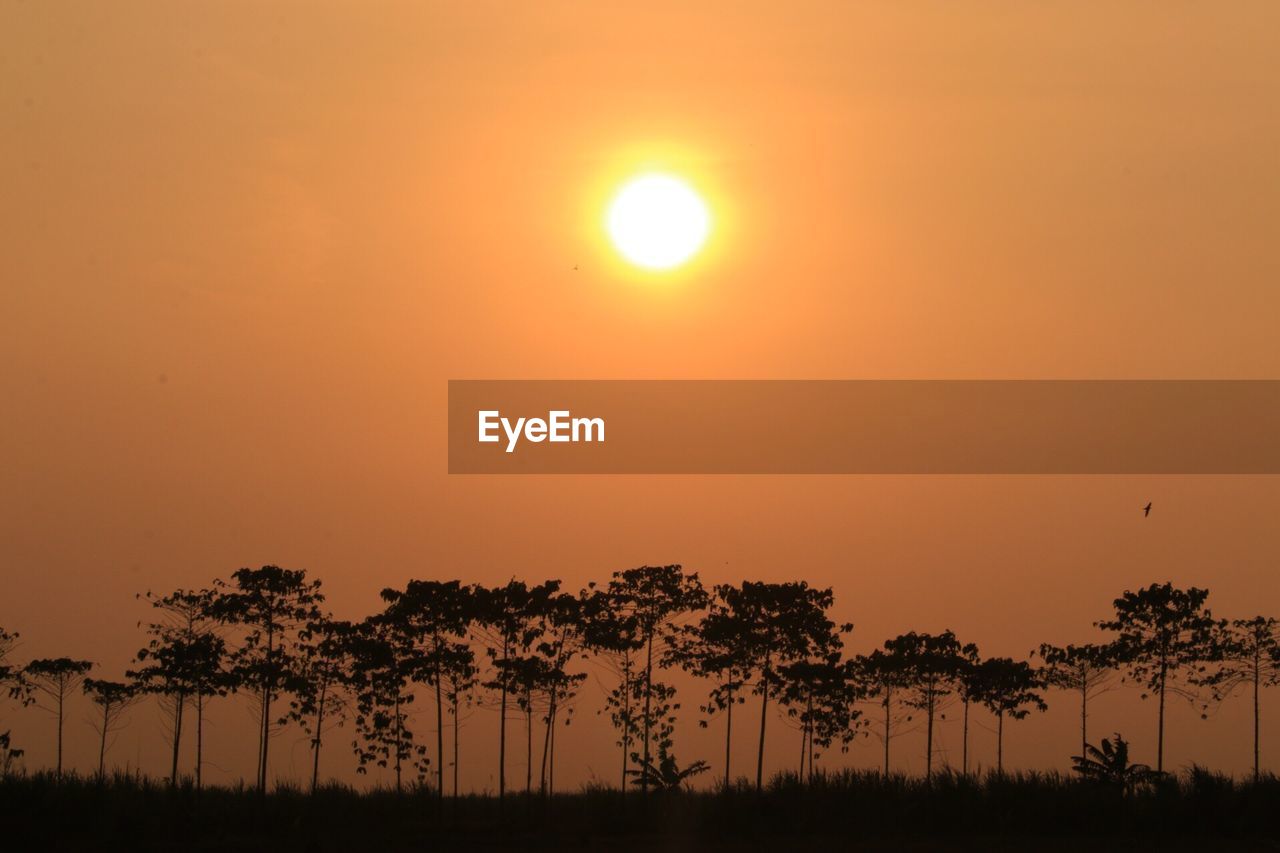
point(1196, 811)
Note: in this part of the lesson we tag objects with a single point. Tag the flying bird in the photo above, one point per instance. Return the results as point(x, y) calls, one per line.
point(1146, 510)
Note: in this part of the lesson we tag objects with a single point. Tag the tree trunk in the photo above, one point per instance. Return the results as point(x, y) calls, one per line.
point(439, 732)
point(928, 740)
point(61, 702)
point(551, 766)
point(502, 726)
point(626, 723)
point(199, 740)
point(648, 695)
point(888, 697)
point(316, 741)
point(397, 709)
point(266, 736)
point(455, 742)
point(1257, 718)
point(179, 702)
point(1084, 720)
point(1000, 744)
point(728, 735)
point(964, 750)
point(528, 755)
point(1164, 672)
point(546, 743)
point(102, 747)
point(764, 705)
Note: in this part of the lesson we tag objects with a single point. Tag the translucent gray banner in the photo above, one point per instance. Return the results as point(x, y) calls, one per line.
point(864, 427)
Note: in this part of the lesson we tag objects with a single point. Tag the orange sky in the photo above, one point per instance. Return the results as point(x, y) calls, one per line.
point(245, 246)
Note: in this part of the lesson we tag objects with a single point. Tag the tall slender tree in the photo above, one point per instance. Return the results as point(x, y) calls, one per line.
point(113, 698)
point(929, 665)
point(1088, 670)
point(383, 666)
point(969, 689)
point(508, 623)
point(1165, 634)
point(53, 680)
point(271, 608)
point(435, 616)
point(563, 642)
point(715, 649)
point(785, 623)
point(183, 662)
point(615, 640)
point(319, 681)
point(1246, 655)
point(1009, 688)
point(657, 597)
point(819, 697)
point(884, 681)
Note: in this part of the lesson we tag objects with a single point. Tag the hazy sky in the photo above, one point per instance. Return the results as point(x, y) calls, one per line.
point(244, 245)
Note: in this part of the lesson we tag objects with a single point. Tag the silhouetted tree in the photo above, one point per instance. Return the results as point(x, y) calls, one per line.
point(182, 662)
point(1246, 653)
point(715, 648)
point(1009, 688)
point(507, 621)
point(52, 680)
point(563, 641)
point(884, 680)
point(113, 699)
point(318, 683)
point(1163, 633)
point(272, 607)
point(929, 665)
point(383, 664)
point(656, 596)
point(819, 696)
point(1088, 670)
point(615, 639)
point(436, 617)
point(969, 688)
point(784, 623)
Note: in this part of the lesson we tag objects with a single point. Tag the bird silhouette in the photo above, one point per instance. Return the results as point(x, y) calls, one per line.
point(1146, 510)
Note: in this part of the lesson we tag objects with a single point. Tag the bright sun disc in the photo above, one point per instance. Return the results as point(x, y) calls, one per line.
point(658, 222)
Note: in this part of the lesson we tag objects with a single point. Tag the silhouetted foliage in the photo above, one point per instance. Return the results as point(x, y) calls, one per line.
point(884, 680)
point(383, 665)
point(318, 683)
point(666, 774)
point(435, 618)
point(1163, 634)
point(928, 665)
point(655, 596)
point(716, 648)
point(781, 624)
point(52, 680)
point(182, 662)
point(820, 697)
point(1008, 688)
point(1247, 654)
point(1088, 670)
point(271, 607)
point(113, 699)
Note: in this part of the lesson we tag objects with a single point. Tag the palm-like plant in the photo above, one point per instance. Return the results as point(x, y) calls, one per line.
point(1110, 765)
point(666, 774)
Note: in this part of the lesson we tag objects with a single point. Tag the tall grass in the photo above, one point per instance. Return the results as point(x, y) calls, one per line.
point(136, 813)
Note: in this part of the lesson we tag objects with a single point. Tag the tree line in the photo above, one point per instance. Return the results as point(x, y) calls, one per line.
point(524, 651)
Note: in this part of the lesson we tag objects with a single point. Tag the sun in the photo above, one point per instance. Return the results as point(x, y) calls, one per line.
point(657, 221)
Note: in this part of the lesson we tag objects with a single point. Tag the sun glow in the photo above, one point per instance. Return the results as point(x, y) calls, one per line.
point(657, 221)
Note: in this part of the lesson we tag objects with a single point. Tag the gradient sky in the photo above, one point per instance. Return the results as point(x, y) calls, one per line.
point(245, 245)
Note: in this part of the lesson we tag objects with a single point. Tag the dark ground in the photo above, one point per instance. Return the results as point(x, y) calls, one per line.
point(859, 812)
